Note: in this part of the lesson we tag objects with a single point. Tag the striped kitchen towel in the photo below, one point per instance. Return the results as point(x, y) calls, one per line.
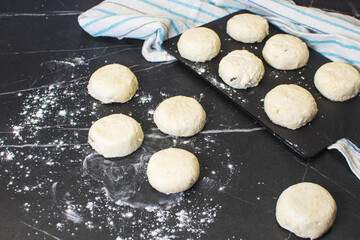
point(351, 153)
point(334, 35)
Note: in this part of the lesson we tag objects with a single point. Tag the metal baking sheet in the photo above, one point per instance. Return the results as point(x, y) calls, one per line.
point(334, 120)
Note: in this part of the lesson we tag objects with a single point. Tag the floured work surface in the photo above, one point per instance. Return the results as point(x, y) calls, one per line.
point(334, 120)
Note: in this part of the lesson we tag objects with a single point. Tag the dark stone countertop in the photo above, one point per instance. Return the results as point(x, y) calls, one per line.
point(53, 185)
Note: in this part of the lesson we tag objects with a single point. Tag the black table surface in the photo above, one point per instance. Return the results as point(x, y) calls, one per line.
point(54, 186)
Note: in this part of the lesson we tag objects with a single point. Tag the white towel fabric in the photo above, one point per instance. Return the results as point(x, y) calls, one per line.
point(350, 152)
point(334, 35)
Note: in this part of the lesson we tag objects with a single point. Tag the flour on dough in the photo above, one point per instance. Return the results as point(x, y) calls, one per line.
point(285, 52)
point(180, 116)
point(173, 170)
point(199, 44)
point(306, 209)
point(290, 106)
point(247, 28)
point(116, 135)
point(337, 81)
point(241, 69)
point(113, 83)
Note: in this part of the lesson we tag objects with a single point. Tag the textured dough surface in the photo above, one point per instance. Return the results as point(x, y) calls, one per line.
point(199, 44)
point(290, 106)
point(285, 52)
point(173, 170)
point(180, 116)
point(306, 209)
point(337, 81)
point(116, 135)
point(247, 28)
point(241, 69)
point(113, 83)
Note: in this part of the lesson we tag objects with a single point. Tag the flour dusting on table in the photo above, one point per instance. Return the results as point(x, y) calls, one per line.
point(44, 153)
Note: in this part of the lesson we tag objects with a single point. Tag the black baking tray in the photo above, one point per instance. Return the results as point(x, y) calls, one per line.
point(334, 120)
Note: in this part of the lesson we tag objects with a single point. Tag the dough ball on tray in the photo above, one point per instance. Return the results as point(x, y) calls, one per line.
point(241, 69)
point(337, 81)
point(290, 106)
point(199, 44)
point(247, 28)
point(285, 52)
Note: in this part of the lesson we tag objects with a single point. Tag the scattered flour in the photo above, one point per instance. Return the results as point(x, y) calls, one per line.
point(146, 98)
point(44, 152)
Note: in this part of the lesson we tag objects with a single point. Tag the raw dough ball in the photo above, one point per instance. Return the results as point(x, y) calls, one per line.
point(306, 209)
point(337, 81)
point(247, 28)
point(116, 135)
point(173, 170)
point(199, 44)
point(285, 52)
point(290, 106)
point(241, 69)
point(180, 116)
point(113, 83)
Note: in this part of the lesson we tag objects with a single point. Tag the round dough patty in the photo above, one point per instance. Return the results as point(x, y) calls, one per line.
point(285, 52)
point(113, 83)
point(199, 44)
point(290, 106)
point(173, 170)
point(180, 116)
point(247, 28)
point(241, 69)
point(116, 135)
point(306, 209)
point(337, 81)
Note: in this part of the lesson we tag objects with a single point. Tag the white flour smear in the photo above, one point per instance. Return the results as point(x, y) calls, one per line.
point(69, 188)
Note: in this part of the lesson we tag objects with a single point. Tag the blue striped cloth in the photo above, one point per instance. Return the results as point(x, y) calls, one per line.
point(351, 153)
point(334, 35)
